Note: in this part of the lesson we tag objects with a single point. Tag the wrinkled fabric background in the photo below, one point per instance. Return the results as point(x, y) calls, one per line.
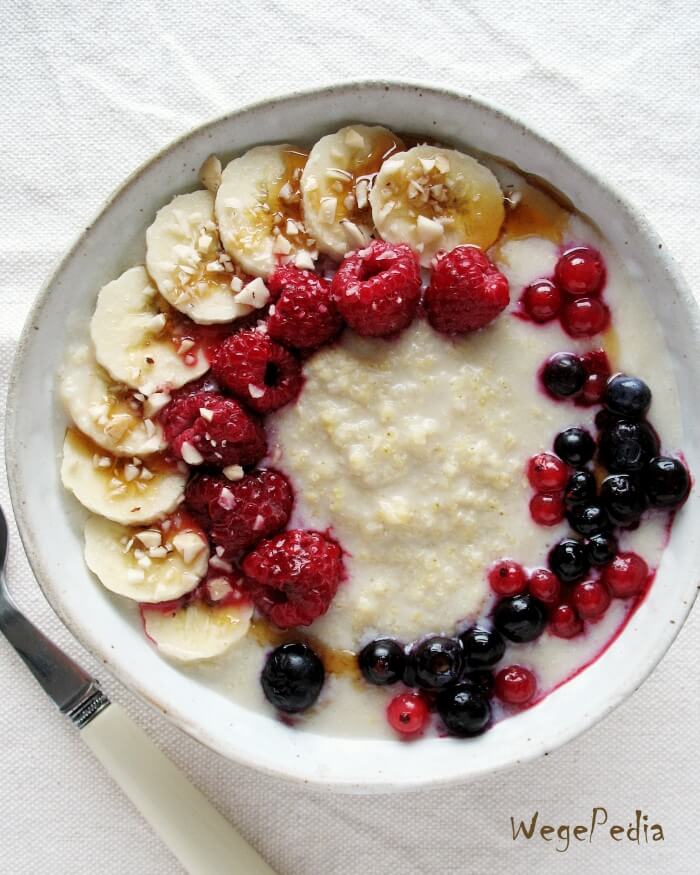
point(89, 91)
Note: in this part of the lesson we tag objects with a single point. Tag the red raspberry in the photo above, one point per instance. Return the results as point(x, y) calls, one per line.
point(259, 372)
point(205, 383)
point(507, 577)
point(547, 508)
point(564, 622)
point(580, 271)
point(303, 315)
point(547, 473)
point(377, 289)
point(584, 317)
point(225, 435)
point(591, 599)
point(239, 514)
point(466, 291)
point(293, 577)
point(515, 685)
point(545, 586)
point(408, 713)
point(626, 575)
point(541, 300)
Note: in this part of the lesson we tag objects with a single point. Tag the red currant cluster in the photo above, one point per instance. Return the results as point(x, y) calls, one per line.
point(573, 294)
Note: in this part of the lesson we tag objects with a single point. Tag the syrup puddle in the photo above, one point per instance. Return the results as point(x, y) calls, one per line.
point(338, 662)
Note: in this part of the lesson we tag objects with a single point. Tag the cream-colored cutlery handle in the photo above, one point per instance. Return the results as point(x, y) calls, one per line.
point(202, 840)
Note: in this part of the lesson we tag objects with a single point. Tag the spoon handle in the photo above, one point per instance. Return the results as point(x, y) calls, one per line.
point(187, 823)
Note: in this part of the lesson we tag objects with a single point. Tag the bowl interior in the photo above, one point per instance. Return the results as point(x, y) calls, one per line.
point(50, 523)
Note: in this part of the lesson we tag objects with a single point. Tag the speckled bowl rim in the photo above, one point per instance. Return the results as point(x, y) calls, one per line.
point(28, 528)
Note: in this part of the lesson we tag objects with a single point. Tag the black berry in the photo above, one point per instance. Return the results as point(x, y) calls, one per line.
point(292, 677)
point(627, 396)
point(464, 712)
point(568, 560)
point(666, 481)
point(580, 489)
point(627, 446)
point(520, 618)
point(575, 446)
point(622, 496)
point(601, 549)
point(589, 519)
point(482, 680)
point(382, 662)
point(563, 374)
point(482, 647)
point(437, 662)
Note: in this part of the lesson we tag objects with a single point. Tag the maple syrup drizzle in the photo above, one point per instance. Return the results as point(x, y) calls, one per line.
point(543, 212)
point(159, 463)
point(121, 401)
point(335, 661)
point(611, 345)
point(363, 168)
point(179, 328)
point(294, 163)
point(535, 215)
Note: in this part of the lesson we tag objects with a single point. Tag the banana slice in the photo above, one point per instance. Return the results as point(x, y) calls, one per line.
point(196, 631)
point(125, 491)
point(136, 337)
point(107, 412)
point(185, 258)
point(210, 174)
point(157, 564)
point(435, 199)
point(258, 208)
point(336, 183)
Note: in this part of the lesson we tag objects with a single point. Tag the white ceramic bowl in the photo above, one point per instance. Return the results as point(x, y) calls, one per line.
point(49, 521)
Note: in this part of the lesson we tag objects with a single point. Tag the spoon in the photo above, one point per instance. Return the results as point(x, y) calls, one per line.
point(188, 824)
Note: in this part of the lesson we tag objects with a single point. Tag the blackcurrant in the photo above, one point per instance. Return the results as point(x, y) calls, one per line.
point(292, 677)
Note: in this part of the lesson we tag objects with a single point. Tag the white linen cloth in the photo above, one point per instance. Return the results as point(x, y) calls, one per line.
point(92, 89)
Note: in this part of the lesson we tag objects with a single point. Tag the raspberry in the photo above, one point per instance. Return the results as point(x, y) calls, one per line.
point(205, 383)
point(259, 372)
point(466, 291)
point(303, 315)
point(377, 289)
point(225, 435)
point(293, 577)
point(239, 514)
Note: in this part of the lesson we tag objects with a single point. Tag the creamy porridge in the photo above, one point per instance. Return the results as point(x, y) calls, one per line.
point(343, 520)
